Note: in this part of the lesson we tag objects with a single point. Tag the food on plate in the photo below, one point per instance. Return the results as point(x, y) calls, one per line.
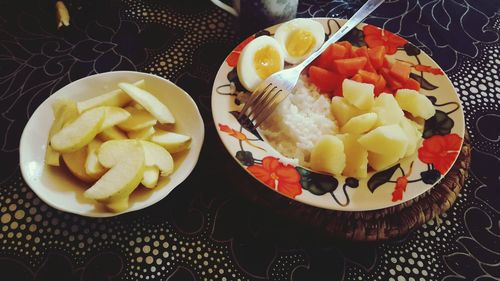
point(365, 92)
point(360, 124)
point(173, 142)
point(415, 103)
point(358, 94)
point(125, 161)
point(114, 142)
point(299, 38)
point(259, 59)
point(328, 155)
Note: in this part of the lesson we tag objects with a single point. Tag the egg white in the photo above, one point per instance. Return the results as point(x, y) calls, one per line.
point(312, 26)
point(246, 71)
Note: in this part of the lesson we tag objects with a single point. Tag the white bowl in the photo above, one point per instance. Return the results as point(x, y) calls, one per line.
point(59, 189)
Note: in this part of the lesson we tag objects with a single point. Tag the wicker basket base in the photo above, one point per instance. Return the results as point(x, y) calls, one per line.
point(374, 225)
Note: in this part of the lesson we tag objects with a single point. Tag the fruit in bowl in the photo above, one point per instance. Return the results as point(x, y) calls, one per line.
point(100, 157)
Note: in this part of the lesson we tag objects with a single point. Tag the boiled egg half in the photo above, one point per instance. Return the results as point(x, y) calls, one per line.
point(299, 38)
point(259, 59)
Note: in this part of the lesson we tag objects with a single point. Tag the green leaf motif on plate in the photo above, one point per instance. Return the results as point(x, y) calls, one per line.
point(317, 184)
point(382, 177)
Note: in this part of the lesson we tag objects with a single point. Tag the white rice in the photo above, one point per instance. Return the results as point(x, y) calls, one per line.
point(298, 123)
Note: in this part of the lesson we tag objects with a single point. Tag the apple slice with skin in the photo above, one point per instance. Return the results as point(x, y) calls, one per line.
point(75, 161)
point(80, 132)
point(157, 159)
point(114, 98)
point(150, 177)
point(92, 166)
point(151, 103)
point(173, 142)
point(125, 160)
point(112, 133)
point(114, 115)
point(64, 111)
point(139, 119)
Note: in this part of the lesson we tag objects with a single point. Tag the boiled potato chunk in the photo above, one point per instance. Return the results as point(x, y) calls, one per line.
point(150, 177)
point(64, 111)
point(387, 109)
point(173, 142)
point(342, 110)
point(415, 103)
point(80, 132)
point(92, 165)
point(381, 162)
point(142, 134)
point(413, 134)
point(356, 164)
point(386, 140)
point(112, 133)
point(75, 161)
point(360, 95)
point(328, 155)
point(114, 98)
point(360, 124)
point(125, 160)
point(151, 103)
point(138, 120)
point(114, 115)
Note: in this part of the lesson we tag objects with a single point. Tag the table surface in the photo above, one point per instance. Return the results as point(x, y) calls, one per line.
point(206, 228)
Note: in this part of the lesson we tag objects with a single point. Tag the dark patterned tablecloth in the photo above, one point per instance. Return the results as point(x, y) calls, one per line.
point(206, 229)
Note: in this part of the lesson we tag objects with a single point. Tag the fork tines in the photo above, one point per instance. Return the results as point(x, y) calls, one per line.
point(261, 104)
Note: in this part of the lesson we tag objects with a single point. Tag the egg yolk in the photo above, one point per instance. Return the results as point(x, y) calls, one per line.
point(299, 43)
point(266, 61)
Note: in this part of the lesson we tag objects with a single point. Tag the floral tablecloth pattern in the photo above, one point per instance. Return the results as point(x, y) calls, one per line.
point(206, 229)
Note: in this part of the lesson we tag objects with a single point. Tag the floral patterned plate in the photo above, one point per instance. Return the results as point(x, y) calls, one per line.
point(443, 135)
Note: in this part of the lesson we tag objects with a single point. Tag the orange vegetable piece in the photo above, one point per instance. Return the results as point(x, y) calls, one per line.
point(333, 52)
point(368, 77)
point(348, 47)
point(326, 81)
point(349, 67)
point(400, 71)
point(377, 56)
point(358, 78)
point(412, 84)
point(380, 85)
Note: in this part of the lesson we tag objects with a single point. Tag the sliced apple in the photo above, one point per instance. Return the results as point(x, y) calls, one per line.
point(80, 132)
point(173, 142)
point(142, 134)
point(75, 161)
point(158, 156)
point(112, 133)
point(114, 98)
point(150, 177)
point(151, 103)
point(114, 115)
point(64, 111)
point(92, 166)
point(328, 155)
point(125, 160)
point(139, 119)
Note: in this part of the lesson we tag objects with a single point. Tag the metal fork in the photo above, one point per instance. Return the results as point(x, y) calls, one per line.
point(278, 86)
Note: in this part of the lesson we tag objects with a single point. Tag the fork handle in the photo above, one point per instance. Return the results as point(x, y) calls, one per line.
point(358, 17)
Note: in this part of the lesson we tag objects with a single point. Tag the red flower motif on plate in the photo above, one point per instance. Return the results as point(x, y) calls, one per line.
point(429, 69)
point(441, 151)
point(278, 176)
point(375, 37)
